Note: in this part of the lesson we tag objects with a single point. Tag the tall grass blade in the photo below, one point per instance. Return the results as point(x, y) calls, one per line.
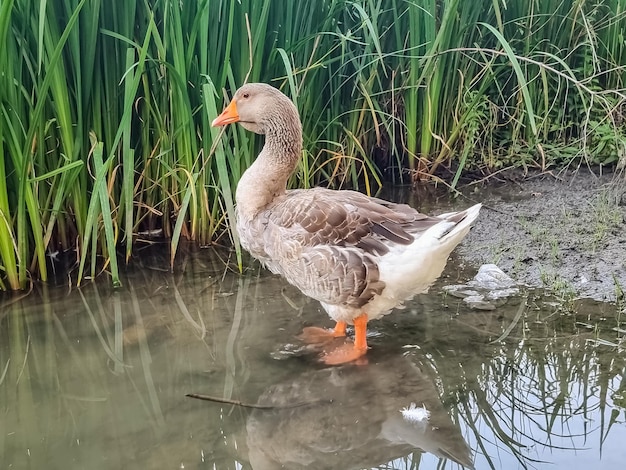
point(521, 78)
point(209, 93)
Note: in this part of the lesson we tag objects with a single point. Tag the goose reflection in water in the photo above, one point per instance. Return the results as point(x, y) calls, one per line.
point(354, 417)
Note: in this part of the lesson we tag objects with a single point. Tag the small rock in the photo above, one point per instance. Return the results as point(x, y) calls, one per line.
point(460, 291)
point(490, 276)
point(479, 303)
point(489, 289)
point(502, 293)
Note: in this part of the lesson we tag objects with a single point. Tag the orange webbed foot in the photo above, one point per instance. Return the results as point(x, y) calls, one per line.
point(350, 352)
point(344, 354)
point(315, 335)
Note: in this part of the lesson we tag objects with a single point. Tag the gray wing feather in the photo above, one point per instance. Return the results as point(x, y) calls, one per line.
point(326, 242)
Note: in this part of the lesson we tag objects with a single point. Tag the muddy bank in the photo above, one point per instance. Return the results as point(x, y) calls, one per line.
point(564, 234)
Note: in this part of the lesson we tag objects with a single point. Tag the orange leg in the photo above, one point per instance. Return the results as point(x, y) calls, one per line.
point(348, 353)
point(340, 329)
point(360, 332)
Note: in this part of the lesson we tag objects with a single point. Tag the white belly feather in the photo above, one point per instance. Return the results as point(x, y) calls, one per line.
point(408, 270)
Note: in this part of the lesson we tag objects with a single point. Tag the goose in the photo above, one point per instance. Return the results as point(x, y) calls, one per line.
point(359, 256)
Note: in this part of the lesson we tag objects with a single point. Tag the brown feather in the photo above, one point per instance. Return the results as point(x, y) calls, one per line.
point(335, 241)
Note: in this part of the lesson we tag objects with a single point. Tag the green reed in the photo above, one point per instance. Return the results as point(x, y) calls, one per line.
point(105, 110)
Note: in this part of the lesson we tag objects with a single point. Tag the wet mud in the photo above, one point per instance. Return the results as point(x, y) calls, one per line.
point(565, 234)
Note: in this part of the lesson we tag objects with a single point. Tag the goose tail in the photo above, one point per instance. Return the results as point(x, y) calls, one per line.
point(454, 226)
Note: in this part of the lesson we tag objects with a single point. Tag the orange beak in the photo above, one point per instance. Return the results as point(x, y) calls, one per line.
point(228, 116)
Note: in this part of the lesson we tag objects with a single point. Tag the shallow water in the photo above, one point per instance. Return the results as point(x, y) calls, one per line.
point(96, 378)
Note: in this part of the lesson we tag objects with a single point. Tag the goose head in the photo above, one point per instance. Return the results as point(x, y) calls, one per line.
point(262, 109)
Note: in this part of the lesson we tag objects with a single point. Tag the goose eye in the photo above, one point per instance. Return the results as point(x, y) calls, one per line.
point(246, 95)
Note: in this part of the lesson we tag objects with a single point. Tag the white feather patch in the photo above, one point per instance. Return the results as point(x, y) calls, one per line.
point(415, 414)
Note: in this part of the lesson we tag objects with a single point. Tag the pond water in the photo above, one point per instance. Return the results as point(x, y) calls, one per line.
point(96, 378)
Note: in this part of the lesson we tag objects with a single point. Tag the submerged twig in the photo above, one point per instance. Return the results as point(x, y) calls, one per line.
point(228, 401)
point(19, 376)
point(4, 372)
point(518, 315)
